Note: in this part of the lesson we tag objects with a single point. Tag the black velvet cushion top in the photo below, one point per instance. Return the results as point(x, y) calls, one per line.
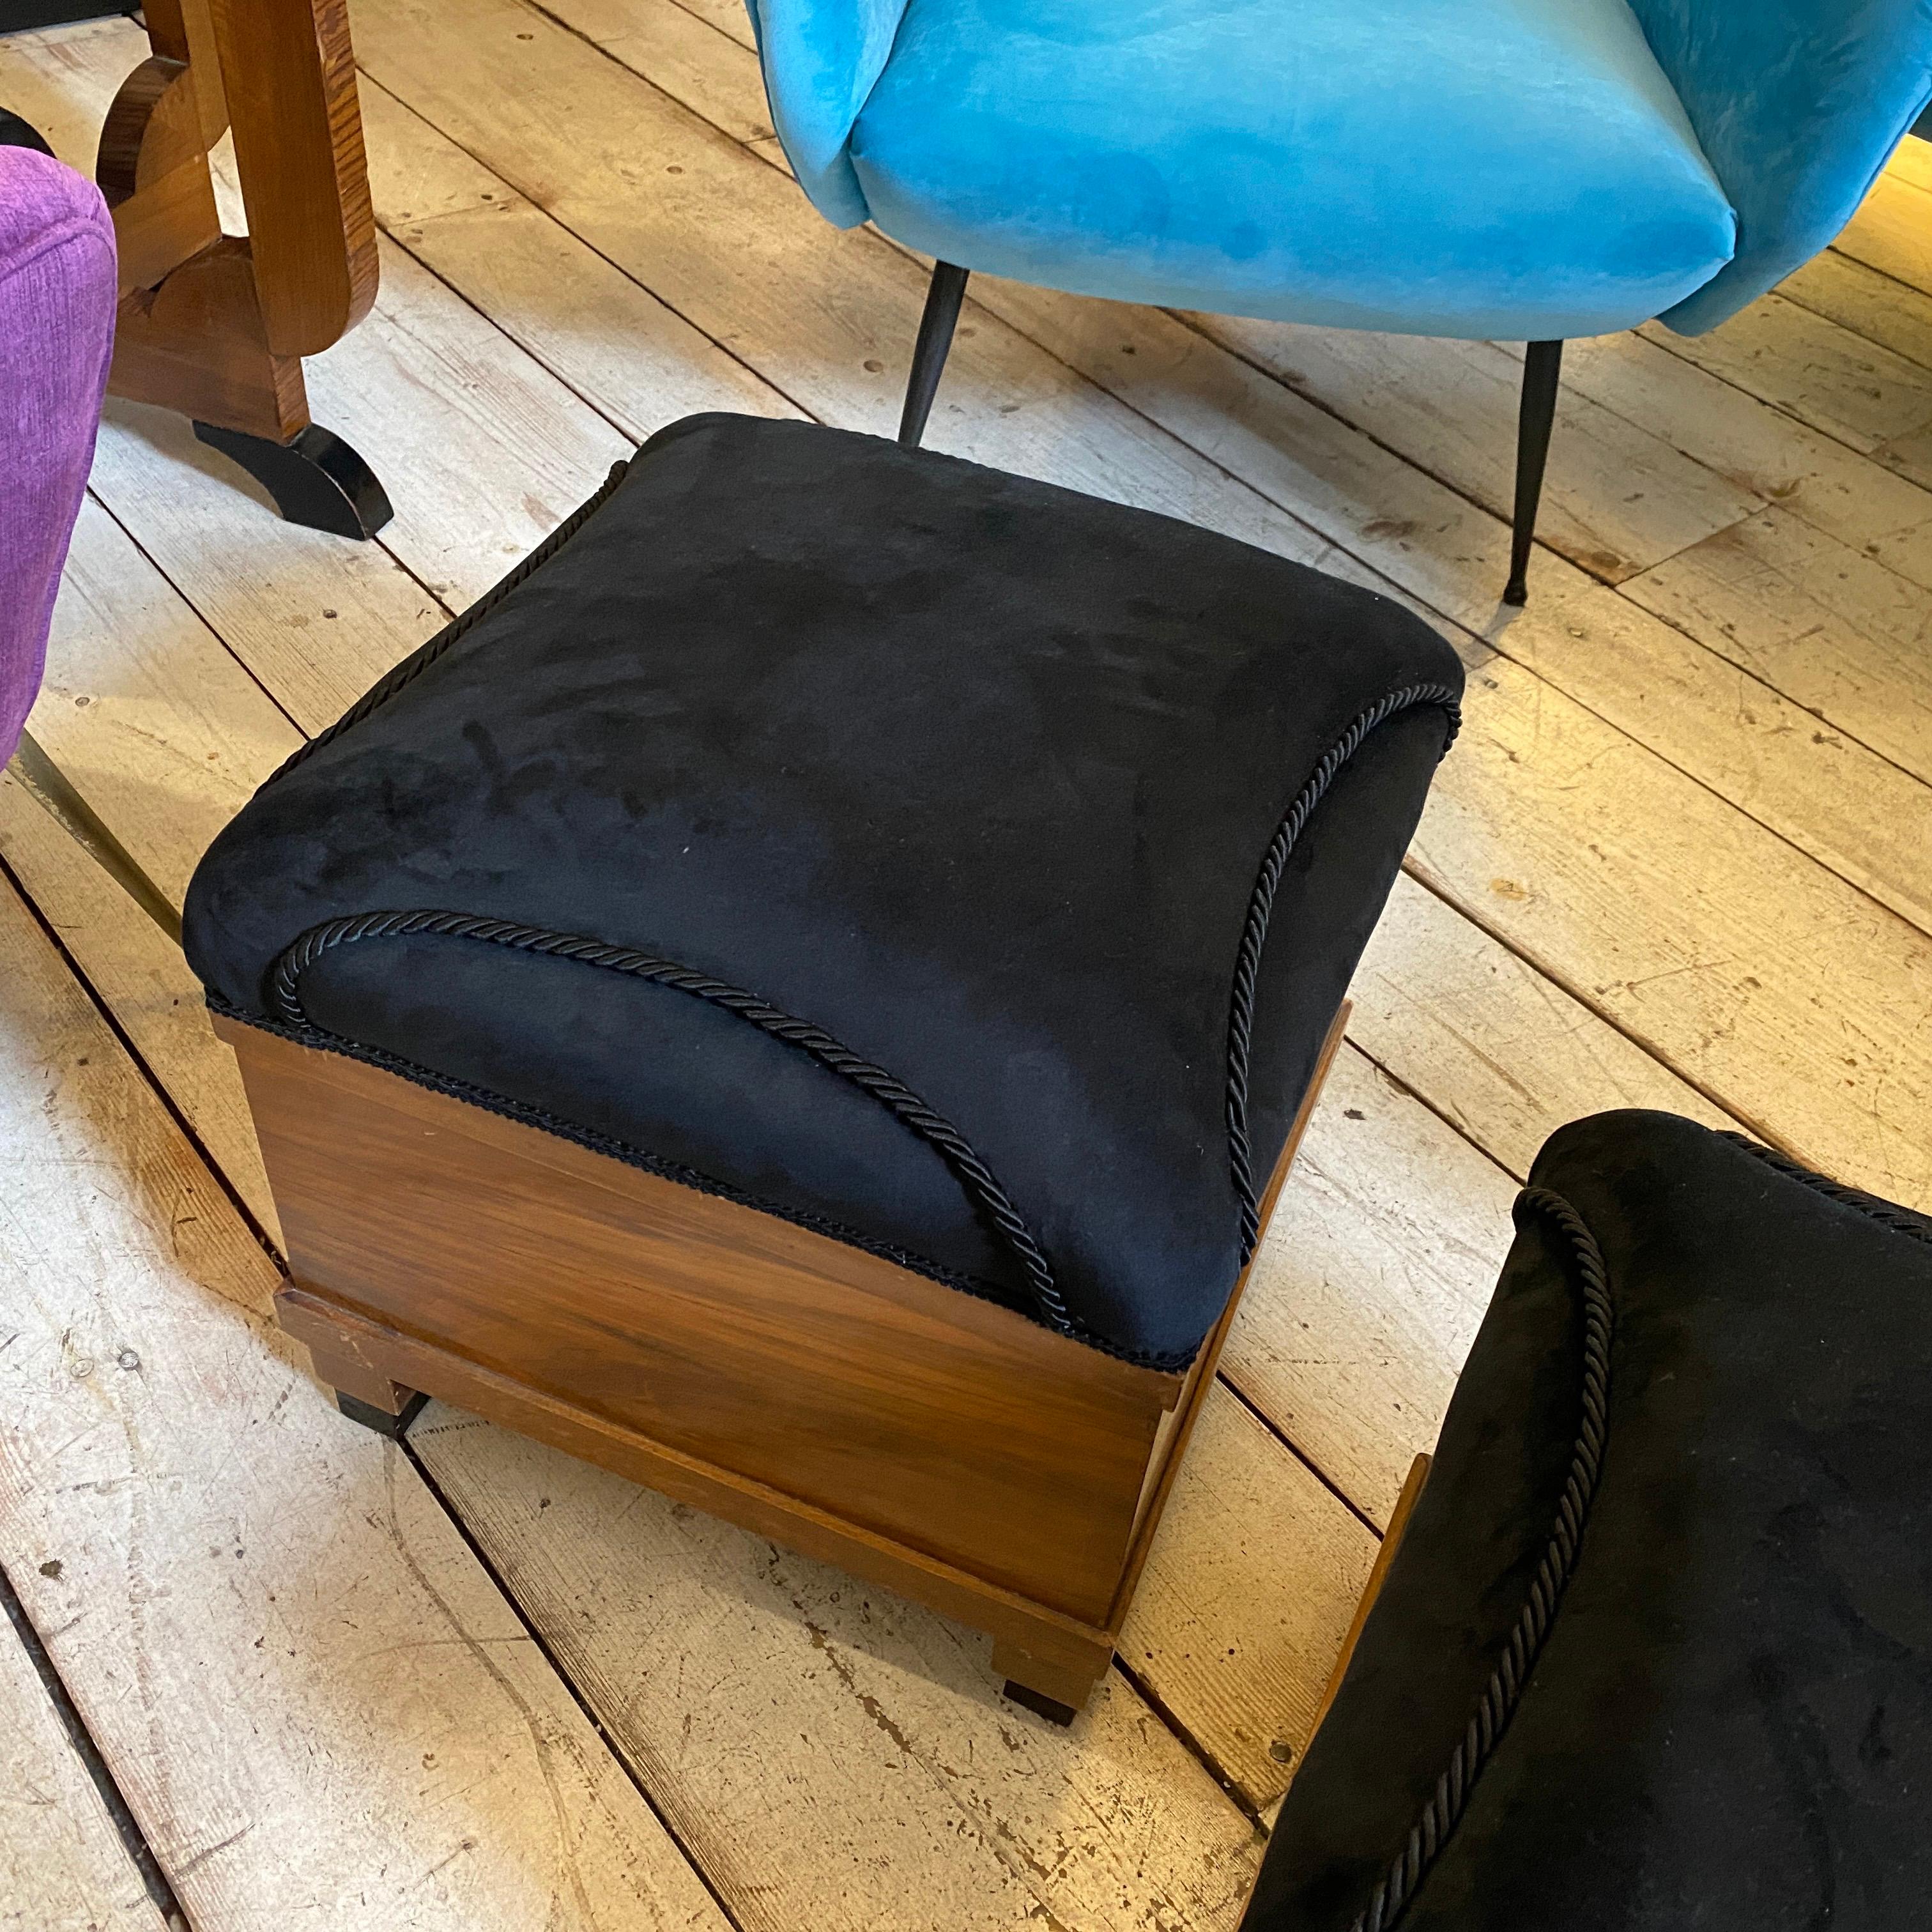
point(874, 837)
point(1697, 1693)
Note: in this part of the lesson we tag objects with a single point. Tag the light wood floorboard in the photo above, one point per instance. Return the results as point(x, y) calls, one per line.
point(1677, 861)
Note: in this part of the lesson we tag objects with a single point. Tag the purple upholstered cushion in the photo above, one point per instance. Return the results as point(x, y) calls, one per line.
point(57, 280)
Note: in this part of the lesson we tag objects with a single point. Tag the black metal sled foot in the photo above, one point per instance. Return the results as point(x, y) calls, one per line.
point(380, 1420)
point(1040, 1705)
point(317, 479)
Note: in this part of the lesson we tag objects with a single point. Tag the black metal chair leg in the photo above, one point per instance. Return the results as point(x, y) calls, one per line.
point(1542, 366)
point(317, 479)
point(943, 297)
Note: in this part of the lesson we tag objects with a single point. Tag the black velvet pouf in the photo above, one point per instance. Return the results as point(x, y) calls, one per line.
point(1655, 1652)
point(1065, 821)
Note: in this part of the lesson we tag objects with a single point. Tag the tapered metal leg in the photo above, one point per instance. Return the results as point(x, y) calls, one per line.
point(936, 325)
point(317, 479)
point(1541, 368)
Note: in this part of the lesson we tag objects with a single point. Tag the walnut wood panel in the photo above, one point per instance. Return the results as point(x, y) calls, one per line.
point(939, 1444)
point(289, 76)
point(1054, 1653)
point(920, 1413)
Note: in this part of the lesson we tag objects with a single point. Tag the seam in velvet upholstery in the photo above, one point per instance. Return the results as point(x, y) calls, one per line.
point(1887, 1213)
point(426, 654)
point(1430, 1834)
point(932, 1127)
point(1261, 905)
point(321, 1041)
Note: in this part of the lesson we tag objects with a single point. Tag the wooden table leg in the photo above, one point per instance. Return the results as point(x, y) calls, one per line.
point(216, 325)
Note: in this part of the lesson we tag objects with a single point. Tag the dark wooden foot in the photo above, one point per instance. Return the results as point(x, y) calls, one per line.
point(1039, 1704)
point(317, 479)
point(380, 1420)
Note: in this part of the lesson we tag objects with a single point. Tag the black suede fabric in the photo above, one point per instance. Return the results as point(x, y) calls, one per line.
point(1729, 1721)
point(974, 774)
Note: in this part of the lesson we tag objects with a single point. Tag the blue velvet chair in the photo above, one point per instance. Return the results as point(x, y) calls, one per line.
point(1513, 170)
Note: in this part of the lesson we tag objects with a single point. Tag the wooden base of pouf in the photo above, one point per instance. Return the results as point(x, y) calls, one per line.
point(922, 1439)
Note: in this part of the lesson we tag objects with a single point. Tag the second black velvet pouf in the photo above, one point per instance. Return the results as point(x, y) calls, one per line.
point(1655, 1651)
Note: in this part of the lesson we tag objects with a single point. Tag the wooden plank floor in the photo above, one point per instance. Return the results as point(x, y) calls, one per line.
point(1679, 859)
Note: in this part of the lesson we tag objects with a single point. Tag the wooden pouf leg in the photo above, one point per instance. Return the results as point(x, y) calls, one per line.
point(363, 1392)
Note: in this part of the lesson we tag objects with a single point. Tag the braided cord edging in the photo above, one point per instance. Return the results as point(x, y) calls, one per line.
point(426, 654)
point(1431, 1833)
point(938, 1133)
point(1260, 907)
point(319, 1040)
point(1888, 1214)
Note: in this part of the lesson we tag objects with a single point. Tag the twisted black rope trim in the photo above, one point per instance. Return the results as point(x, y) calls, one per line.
point(1261, 906)
point(1430, 1834)
point(938, 1133)
point(319, 1040)
point(426, 654)
point(1887, 1213)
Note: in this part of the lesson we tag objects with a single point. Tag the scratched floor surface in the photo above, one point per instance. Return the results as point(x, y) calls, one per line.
point(1678, 860)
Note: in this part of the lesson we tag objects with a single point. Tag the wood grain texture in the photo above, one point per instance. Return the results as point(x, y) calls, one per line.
point(1657, 901)
point(929, 1417)
point(1618, 497)
point(126, 653)
point(1890, 313)
point(785, 1380)
point(1835, 489)
point(835, 1755)
point(138, 974)
point(1497, 1049)
point(1815, 369)
point(318, 1706)
point(622, 350)
point(198, 343)
point(1245, 1601)
point(63, 1867)
point(509, 452)
point(290, 79)
point(1370, 1288)
point(1892, 231)
point(184, 30)
point(1848, 638)
point(315, 620)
